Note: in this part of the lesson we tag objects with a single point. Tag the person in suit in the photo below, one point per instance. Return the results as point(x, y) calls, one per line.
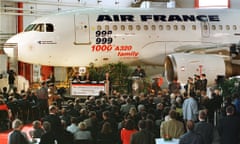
point(42, 95)
point(37, 130)
point(139, 72)
point(16, 136)
point(204, 128)
point(55, 121)
point(203, 82)
point(82, 133)
point(48, 136)
point(87, 78)
point(190, 137)
point(172, 128)
point(76, 77)
point(197, 83)
point(106, 135)
point(229, 127)
point(107, 117)
point(143, 136)
point(11, 80)
point(126, 107)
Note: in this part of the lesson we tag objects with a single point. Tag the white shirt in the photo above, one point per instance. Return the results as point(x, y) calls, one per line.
point(72, 128)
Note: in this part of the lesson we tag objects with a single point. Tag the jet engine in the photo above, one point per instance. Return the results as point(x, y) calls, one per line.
point(180, 66)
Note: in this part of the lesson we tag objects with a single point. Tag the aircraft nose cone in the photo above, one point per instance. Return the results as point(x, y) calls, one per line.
point(11, 45)
point(14, 43)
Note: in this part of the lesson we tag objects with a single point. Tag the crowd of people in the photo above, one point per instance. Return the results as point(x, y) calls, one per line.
point(123, 118)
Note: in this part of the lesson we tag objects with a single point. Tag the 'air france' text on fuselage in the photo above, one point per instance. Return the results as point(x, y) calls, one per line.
point(159, 18)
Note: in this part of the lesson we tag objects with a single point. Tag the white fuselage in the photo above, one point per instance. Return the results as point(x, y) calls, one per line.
point(101, 36)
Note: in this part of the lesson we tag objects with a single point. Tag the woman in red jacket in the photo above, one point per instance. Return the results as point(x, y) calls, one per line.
point(126, 132)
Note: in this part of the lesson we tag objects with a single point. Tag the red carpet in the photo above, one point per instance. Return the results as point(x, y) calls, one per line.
point(4, 135)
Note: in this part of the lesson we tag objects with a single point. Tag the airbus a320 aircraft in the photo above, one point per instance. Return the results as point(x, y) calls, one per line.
point(185, 41)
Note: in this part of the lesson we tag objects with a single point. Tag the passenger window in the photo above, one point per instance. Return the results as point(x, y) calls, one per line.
point(183, 27)
point(160, 27)
point(130, 27)
point(227, 27)
point(99, 27)
point(194, 27)
point(107, 27)
point(153, 27)
point(205, 27)
point(168, 27)
point(115, 27)
point(175, 27)
point(122, 27)
point(213, 27)
point(234, 27)
point(138, 27)
point(220, 27)
point(49, 28)
point(145, 27)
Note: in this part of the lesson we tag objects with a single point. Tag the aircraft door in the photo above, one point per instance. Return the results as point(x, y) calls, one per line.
point(81, 29)
point(205, 28)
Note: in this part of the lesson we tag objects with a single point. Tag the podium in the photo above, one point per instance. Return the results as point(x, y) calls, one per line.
point(137, 85)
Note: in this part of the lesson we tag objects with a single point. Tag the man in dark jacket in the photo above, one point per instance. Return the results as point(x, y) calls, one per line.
point(11, 80)
point(48, 136)
point(229, 127)
point(190, 137)
point(56, 125)
point(204, 128)
point(16, 136)
point(143, 136)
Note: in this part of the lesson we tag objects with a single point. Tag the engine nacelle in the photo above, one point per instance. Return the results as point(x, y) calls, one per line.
point(180, 66)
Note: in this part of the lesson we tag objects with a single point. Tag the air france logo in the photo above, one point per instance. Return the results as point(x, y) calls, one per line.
point(159, 18)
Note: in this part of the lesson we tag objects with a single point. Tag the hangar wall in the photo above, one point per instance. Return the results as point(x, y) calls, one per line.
point(235, 4)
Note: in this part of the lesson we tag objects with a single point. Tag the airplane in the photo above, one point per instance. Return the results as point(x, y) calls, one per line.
point(184, 41)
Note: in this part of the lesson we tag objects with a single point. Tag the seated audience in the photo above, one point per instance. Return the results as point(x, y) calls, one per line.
point(37, 131)
point(48, 136)
point(82, 133)
point(73, 126)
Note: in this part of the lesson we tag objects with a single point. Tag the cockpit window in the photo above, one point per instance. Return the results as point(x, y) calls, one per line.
point(40, 27)
point(30, 27)
point(49, 27)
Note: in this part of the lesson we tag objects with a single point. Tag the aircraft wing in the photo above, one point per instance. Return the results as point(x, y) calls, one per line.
point(222, 49)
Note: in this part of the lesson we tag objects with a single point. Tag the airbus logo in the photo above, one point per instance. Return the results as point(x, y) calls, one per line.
point(159, 18)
